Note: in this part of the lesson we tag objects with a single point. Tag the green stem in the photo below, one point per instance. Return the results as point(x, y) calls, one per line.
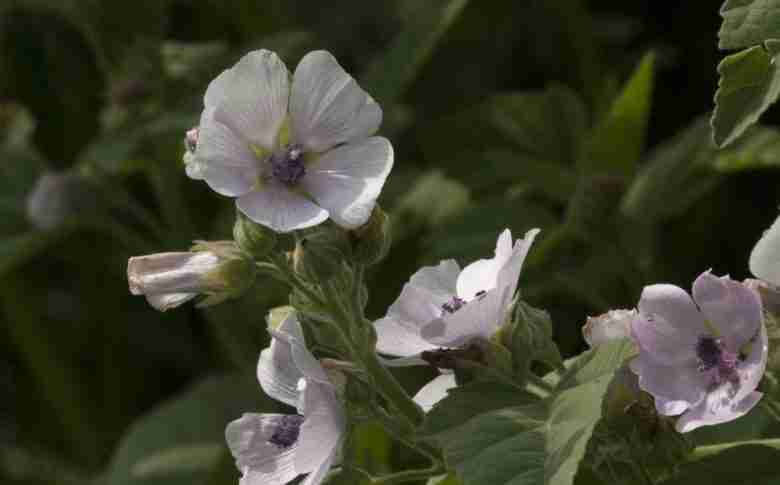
point(702, 452)
point(541, 383)
point(391, 389)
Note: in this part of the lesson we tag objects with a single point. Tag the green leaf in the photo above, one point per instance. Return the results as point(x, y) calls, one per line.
point(389, 77)
point(529, 338)
point(758, 148)
point(617, 141)
point(742, 465)
point(749, 83)
point(748, 22)
point(677, 174)
point(183, 440)
point(467, 401)
point(540, 443)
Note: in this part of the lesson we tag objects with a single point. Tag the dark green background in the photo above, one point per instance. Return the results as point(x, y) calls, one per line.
point(81, 360)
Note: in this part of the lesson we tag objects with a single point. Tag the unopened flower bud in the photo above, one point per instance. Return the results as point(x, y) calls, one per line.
point(218, 270)
point(321, 252)
point(371, 241)
point(613, 325)
point(252, 238)
point(277, 316)
point(59, 197)
point(192, 165)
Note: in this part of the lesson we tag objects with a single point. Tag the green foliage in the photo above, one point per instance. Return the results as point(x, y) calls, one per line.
point(748, 22)
point(749, 84)
point(537, 443)
point(166, 447)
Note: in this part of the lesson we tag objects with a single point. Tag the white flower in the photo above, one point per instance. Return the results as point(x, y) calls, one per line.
point(217, 269)
point(273, 449)
point(442, 306)
point(292, 153)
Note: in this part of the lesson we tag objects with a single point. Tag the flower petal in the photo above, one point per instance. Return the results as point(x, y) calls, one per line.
point(482, 275)
point(323, 427)
point(765, 257)
point(481, 317)
point(348, 179)
point(439, 280)
point(280, 209)
point(166, 301)
point(716, 409)
point(290, 331)
point(319, 474)
point(260, 462)
point(223, 159)
point(435, 391)
point(397, 340)
point(751, 370)
point(679, 387)
point(277, 373)
point(732, 308)
point(509, 273)
point(253, 95)
point(669, 324)
point(327, 106)
point(613, 325)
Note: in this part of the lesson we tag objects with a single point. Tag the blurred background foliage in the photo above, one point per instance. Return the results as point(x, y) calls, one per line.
point(587, 119)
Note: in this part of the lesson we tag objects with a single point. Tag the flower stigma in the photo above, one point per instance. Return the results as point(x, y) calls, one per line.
point(287, 430)
point(455, 304)
point(287, 164)
point(716, 360)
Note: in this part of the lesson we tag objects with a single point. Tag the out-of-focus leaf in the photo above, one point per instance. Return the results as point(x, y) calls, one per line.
point(390, 75)
point(183, 440)
point(473, 234)
point(432, 200)
point(749, 83)
point(748, 22)
point(676, 174)
point(741, 465)
point(539, 443)
point(616, 143)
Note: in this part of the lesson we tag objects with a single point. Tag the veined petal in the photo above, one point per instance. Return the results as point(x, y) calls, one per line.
point(397, 340)
point(751, 370)
point(481, 317)
point(327, 106)
point(277, 373)
point(166, 301)
point(482, 275)
point(732, 308)
point(509, 273)
point(716, 409)
point(435, 391)
point(260, 462)
point(680, 387)
point(439, 280)
point(318, 475)
point(415, 308)
point(253, 95)
point(290, 331)
point(323, 427)
point(347, 180)
point(165, 273)
point(279, 208)
point(224, 160)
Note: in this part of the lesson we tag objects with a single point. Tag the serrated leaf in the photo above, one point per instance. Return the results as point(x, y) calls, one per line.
point(748, 22)
point(749, 83)
point(537, 444)
point(465, 402)
point(183, 440)
point(617, 141)
point(390, 76)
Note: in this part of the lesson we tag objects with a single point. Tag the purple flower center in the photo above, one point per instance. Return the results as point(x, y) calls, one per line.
point(453, 305)
point(717, 361)
point(287, 430)
point(287, 164)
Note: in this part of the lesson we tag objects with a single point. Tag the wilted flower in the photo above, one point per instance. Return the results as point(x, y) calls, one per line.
point(442, 306)
point(615, 324)
point(292, 153)
point(216, 269)
point(273, 449)
point(701, 360)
